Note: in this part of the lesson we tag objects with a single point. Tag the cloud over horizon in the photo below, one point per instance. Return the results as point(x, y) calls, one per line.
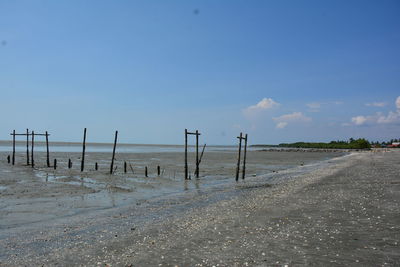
point(283, 121)
point(252, 112)
point(379, 118)
point(376, 104)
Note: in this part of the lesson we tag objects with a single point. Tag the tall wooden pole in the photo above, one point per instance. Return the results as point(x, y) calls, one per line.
point(186, 163)
point(244, 157)
point(13, 154)
point(238, 163)
point(33, 144)
point(197, 154)
point(83, 150)
point(47, 149)
point(113, 154)
point(27, 147)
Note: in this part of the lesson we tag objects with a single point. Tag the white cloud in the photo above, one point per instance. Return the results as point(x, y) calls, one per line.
point(392, 117)
point(265, 103)
point(359, 120)
point(379, 118)
point(376, 104)
point(252, 112)
point(282, 121)
point(314, 105)
point(281, 125)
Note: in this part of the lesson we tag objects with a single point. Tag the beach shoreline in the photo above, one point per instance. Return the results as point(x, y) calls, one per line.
point(253, 223)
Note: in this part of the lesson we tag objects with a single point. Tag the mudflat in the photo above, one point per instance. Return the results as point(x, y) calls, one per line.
point(342, 212)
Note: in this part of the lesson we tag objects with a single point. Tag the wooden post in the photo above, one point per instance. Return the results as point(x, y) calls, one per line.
point(96, 166)
point(27, 147)
point(69, 164)
point(47, 149)
point(238, 163)
point(145, 171)
point(202, 152)
point(158, 170)
point(186, 163)
point(197, 154)
point(33, 144)
point(244, 157)
point(125, 166)
point(113, 154)
point(83, 150)
point(8, 159)
point(13, 154)
point(55, 164)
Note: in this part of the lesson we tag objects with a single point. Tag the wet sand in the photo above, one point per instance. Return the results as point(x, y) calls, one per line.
point(343, 211)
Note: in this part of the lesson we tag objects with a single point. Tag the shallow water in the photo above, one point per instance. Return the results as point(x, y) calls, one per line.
point(31, 195)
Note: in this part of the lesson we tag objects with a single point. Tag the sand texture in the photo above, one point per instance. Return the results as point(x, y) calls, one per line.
point(344, 211)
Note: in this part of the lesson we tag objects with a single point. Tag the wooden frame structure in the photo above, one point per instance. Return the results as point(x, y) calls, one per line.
point(27, 134)
point(197, 153)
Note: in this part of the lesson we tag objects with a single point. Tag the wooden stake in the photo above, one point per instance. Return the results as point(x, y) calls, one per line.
point(145, 171)
point(96, 166)
point(202, 152)
point(27, 147)
point(13, 154)
point(158, 170)
point(69, 164)
point(244, 157)
point(33, 144)
point(83, 150)
point(186, 163)
point(238, 163)
point(125, 166)
point(55, 164)
point(197, 154)
point(113, 154)
point(8, 159)
point(47, 150)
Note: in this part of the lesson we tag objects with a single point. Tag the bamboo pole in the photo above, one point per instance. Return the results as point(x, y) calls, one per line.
point(197, 154)
point(113, 154)
point(47, 150)
point(238, 163)
point(186, 163)
point(27, 147)
point(83, 150)
point(244, 157)
point(33, 144)
point(13, 154)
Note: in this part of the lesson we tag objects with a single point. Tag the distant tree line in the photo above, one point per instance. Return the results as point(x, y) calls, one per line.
point(360, 143)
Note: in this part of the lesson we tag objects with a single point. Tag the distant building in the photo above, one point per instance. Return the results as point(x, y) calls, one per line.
point(394, 144)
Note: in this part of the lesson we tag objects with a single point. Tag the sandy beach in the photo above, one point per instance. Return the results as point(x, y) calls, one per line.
point(339, 211)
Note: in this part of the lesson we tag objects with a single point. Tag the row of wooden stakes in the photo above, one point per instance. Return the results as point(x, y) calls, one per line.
point(96, 166)
point(187, 133)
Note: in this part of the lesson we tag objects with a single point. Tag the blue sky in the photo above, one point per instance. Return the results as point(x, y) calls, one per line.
point(281, 71)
